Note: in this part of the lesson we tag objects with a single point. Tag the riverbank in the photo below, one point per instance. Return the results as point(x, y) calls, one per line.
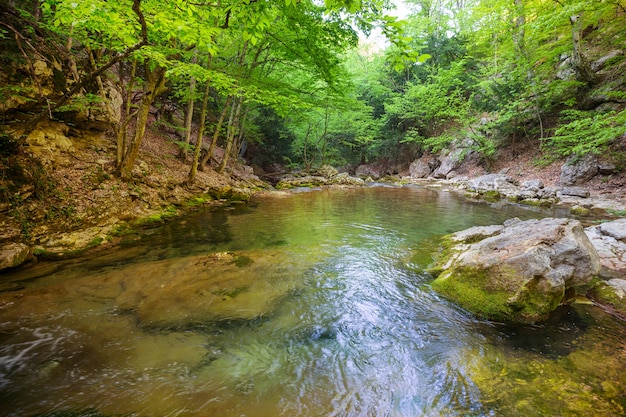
point(62, 201)
point(66, 200)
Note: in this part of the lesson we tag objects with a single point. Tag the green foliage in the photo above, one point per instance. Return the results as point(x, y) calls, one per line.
point(82, 103)
point(587, 132)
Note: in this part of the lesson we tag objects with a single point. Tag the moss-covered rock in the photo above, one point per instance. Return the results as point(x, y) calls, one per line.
point(518, 272)
point(611, 294)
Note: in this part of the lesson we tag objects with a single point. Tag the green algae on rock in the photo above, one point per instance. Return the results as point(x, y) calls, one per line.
point(518, 272)
point(587, 380)
point(611, 294)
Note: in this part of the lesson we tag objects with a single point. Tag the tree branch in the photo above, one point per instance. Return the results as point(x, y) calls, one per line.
point(32, 123)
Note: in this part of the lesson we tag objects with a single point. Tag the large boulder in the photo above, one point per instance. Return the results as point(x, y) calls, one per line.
point(423, 167)
point(609, 239)
point(370, 170)
point(500, 183)
point(517, 272)
point(579, 170)
point(449, 163)
point(13, 255)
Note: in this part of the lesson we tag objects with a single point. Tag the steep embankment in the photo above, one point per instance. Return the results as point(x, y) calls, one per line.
point(60, 194)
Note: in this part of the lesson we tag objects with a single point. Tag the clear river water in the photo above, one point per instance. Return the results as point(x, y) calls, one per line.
point(311, 304)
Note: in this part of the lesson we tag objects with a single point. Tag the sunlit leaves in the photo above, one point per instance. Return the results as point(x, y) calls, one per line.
point(587, 132)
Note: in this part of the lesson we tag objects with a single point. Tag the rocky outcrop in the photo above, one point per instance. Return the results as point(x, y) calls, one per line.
point(493, 186)
point(448, 163)
point(500, 183)
point(609, 239)
point(296, 181)
point(574, 192)
point(369, 171)
point(579, 170)
point(516, 272)
point(423, 167)
point(600, 63)
point(13, 255)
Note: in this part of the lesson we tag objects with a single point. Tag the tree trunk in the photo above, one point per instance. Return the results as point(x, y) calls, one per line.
point(239, 141)
point(579, 62)
point(189, 115)
point(216, 134)
point(127, 115)
point(519, 33)
point(154, 85)
point(196, 154)
point(233, 122)
point(324, 134)
point(305, 154)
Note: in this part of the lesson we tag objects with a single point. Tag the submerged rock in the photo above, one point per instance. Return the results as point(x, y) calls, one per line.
point(611, 294)
point(197, 290)
point(517, 272)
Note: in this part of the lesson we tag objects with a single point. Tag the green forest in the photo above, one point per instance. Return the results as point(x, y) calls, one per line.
point(288, 81)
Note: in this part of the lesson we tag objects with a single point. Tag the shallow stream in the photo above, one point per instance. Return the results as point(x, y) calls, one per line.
point(313, 304)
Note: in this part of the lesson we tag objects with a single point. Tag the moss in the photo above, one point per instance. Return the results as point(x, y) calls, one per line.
point(484, 292)
point(80, 413)
point(535, 304)
point(230, 292)
point(446, 252)
point(491, 196)
point(579, 211)
point(617, 213)
point(242, 260)
point(466, 286)
point(587, 382)
point(166, 214)
point(606, 295)
point(44, 254)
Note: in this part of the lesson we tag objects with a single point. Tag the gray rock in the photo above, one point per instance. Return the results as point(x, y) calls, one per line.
point(449, 163)
point(326, 171)
point(547, 193)
point(372, 171)
point(519, 274)
point(607, 168)
point(609, 240)
point(422, 168)
point(574, 192)
point(579, 170)
point(616, 229)
point(14, 254)
point(534, 185)
point(493, 182)
point(599, 64)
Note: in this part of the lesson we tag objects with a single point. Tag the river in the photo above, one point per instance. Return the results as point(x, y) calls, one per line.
point(310, 304)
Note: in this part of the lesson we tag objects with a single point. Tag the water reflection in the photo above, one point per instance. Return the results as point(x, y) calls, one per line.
point(311, 305)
